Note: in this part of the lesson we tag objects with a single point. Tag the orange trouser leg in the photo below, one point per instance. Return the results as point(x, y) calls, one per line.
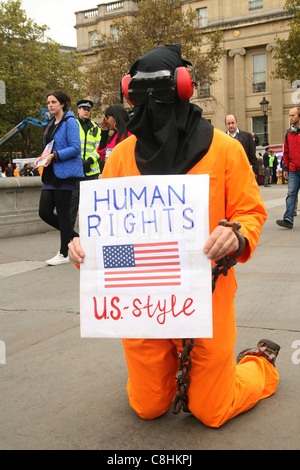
point(219, 389)
point(152, 366)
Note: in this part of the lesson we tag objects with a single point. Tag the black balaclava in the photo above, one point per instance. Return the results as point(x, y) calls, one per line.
point(171, 137)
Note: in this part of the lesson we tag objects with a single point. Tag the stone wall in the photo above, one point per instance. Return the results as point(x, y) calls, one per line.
point(19, 205)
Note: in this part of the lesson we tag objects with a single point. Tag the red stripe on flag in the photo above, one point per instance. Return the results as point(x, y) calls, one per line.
point(143, 285)
point(162, 261)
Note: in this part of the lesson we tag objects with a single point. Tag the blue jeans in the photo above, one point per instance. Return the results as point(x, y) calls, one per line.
point(293, 188)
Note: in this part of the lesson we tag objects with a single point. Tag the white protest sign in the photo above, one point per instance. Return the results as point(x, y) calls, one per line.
point(144, 273)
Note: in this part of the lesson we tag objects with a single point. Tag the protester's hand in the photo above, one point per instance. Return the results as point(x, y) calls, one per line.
point(38, 160)
point(104, 125)
point(286, 175)
point(49, 159)
point(221, 242)
point(75, 251)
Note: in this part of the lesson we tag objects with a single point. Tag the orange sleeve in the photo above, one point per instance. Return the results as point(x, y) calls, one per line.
point(121, 161)
point(234, 193)
point(243, 199)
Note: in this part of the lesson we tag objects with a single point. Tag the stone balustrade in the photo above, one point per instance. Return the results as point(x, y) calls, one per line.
point(19, 205)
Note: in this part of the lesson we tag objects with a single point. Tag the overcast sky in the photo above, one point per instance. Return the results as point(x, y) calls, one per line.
point(59, 16)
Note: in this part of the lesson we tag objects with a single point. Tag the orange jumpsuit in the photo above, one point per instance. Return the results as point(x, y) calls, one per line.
point(219, 389)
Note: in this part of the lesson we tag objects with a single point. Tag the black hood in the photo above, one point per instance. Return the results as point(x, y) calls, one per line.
point(173, 137)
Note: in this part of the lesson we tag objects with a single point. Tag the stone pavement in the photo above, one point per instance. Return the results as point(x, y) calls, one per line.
point(58, 391)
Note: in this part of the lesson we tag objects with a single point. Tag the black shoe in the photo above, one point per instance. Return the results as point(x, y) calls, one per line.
point(265, 347)
point(284, 223)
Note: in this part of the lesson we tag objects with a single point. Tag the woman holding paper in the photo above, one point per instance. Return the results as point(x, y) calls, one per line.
point(170, 136)
point(62, 165)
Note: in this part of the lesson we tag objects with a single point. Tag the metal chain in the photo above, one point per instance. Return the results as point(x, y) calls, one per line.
point(182, 379)
point(224, 264)
point(185, 363)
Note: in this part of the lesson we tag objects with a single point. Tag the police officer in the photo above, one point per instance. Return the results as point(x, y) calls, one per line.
point(90, 136)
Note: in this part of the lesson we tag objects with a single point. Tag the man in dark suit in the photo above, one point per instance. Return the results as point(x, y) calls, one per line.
point(245, 138)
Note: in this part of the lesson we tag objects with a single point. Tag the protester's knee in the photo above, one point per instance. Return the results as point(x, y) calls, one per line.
point(211, 418)
point(148, 414)
point(151, 408)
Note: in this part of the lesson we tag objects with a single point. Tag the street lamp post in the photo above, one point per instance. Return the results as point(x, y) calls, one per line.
point(264, 107)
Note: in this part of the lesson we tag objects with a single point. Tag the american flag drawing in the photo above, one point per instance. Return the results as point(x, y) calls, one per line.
point(142, 265)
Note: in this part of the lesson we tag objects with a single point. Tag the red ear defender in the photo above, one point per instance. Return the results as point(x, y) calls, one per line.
point(124, 87)
point(184, 83)
point(162, 85)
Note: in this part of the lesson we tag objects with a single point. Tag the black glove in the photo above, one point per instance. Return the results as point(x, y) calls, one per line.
point(87, 164)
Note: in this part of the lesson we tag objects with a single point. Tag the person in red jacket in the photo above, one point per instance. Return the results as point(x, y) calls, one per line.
point(291, 161)
point(170, 136)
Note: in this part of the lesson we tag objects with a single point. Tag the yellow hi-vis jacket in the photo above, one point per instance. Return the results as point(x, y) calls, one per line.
point(89, 143)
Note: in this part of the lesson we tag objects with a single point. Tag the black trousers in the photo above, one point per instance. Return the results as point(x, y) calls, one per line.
point(60, 200)
point(75, 198)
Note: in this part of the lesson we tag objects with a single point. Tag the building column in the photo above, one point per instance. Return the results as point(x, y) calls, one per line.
point(276, 132)
point(239, 85)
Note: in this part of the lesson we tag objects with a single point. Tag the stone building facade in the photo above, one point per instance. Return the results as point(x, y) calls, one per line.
point(244, 76)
